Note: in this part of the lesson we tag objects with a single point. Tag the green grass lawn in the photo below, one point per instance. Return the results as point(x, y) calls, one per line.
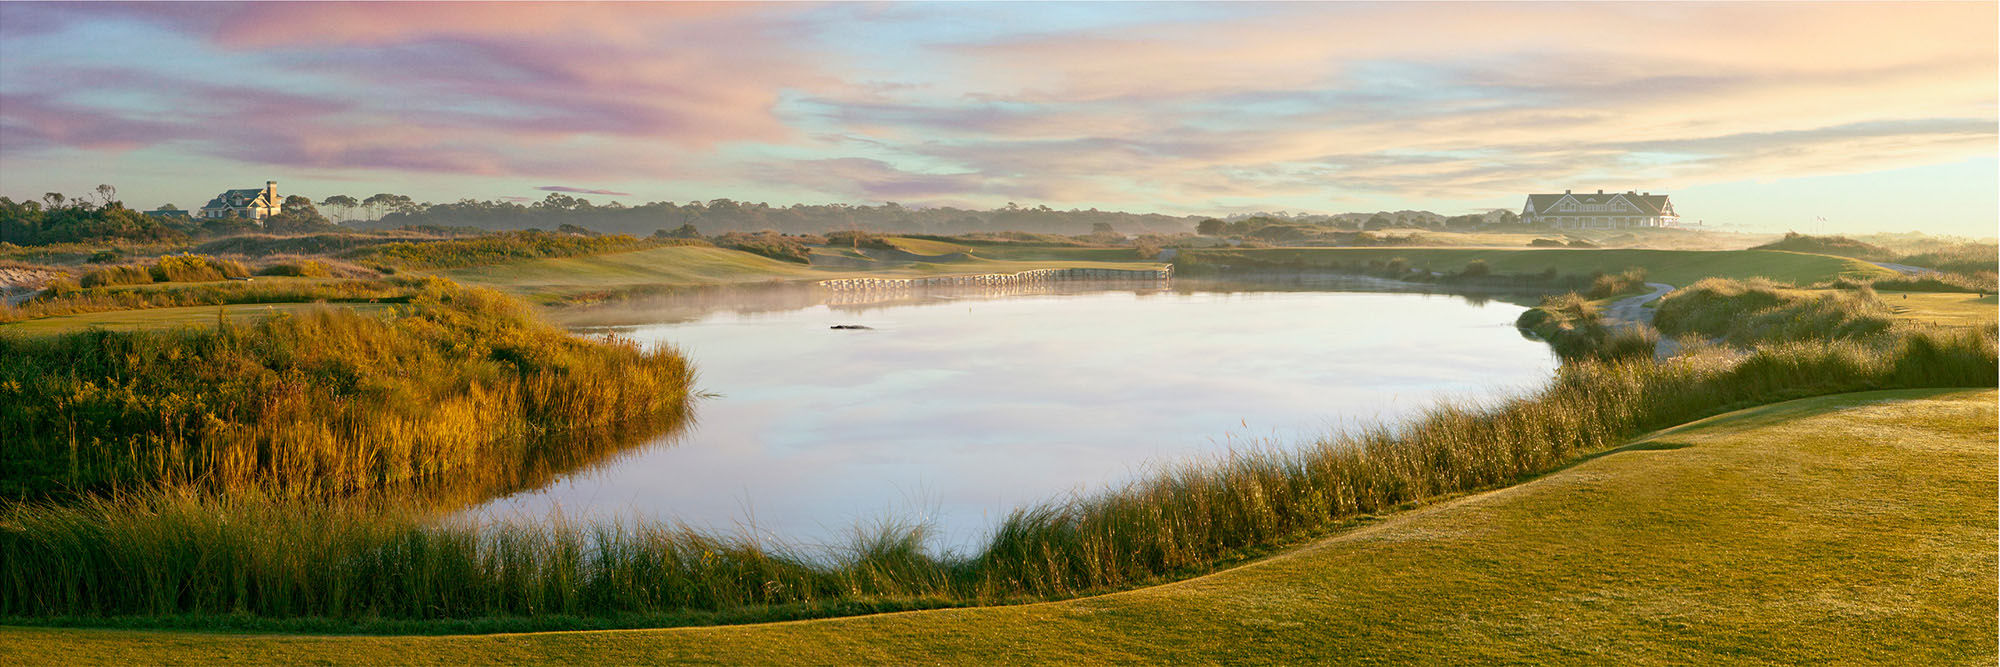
point(165, 318)
point(1675, 267)
point(1854, 528)
point(925, 246)
point(672, 265)
point(1945, 308)
point(690, 265)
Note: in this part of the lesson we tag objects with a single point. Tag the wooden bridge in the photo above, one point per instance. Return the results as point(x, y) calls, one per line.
point(1030, 277)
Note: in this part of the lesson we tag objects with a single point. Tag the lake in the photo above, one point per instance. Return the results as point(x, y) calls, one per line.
point(955, 408)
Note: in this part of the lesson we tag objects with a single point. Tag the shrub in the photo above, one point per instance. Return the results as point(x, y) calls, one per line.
point(117, 275)
point(1604, 286)
point(303, 268)
point(192, 268)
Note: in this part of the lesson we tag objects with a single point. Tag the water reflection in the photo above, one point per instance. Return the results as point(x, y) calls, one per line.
point(957, 407)
point(535, 463)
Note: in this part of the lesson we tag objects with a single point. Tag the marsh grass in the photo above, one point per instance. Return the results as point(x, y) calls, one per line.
point(255, 554)
point(327, 401)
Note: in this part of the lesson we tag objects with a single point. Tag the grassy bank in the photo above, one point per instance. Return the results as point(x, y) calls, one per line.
point(344, 564)
point(1675, 267)
point(1850, 528)
point(1573, 327)
point(499, 248)
point(314, 400)
point(182, 295)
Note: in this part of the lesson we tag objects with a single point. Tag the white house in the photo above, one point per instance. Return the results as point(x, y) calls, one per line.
point(252, 203)
point(1618, 210)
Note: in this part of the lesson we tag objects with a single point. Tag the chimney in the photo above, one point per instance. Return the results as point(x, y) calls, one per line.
point(1565, 192)
point(1600, 191)
point(1647, 194)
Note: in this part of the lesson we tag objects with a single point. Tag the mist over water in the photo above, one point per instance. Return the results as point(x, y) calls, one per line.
point(955, 408)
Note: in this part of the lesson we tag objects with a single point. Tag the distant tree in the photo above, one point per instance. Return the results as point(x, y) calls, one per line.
point(342, 203)
point(387, 203)
point(169, 207)
point(560, 202)
point(1378, 221)
point(106, 194)
point(1101, 228)
point(579, 230)
point(1209, 227)
point(686, 231)
point(297, 216)
point(55, 199)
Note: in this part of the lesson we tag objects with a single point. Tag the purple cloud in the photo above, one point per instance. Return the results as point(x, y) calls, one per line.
point(581, 191)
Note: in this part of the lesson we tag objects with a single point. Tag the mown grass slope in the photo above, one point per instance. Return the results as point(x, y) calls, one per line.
point(673, 265)
point(1675, 267)
point(1849, 528)
point(685, 266)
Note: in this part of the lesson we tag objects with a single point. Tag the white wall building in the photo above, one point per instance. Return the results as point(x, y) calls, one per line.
point(1618, 210)
point(252, 203)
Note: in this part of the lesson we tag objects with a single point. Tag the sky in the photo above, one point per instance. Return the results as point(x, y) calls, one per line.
point(1872, 117)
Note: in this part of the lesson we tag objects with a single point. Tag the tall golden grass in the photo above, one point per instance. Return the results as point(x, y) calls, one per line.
point(275, 555)
point(324, 401)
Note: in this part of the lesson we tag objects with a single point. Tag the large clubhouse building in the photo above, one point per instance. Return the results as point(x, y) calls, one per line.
point(252, 203)
point(1618, 210)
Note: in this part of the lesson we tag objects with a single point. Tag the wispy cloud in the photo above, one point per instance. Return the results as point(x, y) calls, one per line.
point(587, 191)
point(1176, 107)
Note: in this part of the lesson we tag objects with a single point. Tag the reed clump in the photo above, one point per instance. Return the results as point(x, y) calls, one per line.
point(1575, 330)
point(178, 552)
point(117, 275)
point(323, 401)
point(191, 268)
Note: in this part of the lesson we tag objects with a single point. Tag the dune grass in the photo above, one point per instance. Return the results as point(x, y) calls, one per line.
point(315, 400)
point(294, 556)
point(1748, 312)
point(1848, 528)
point(1676, 267)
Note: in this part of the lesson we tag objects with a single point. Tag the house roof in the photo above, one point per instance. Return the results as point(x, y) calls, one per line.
point(1646, 204)
point(222, 200)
